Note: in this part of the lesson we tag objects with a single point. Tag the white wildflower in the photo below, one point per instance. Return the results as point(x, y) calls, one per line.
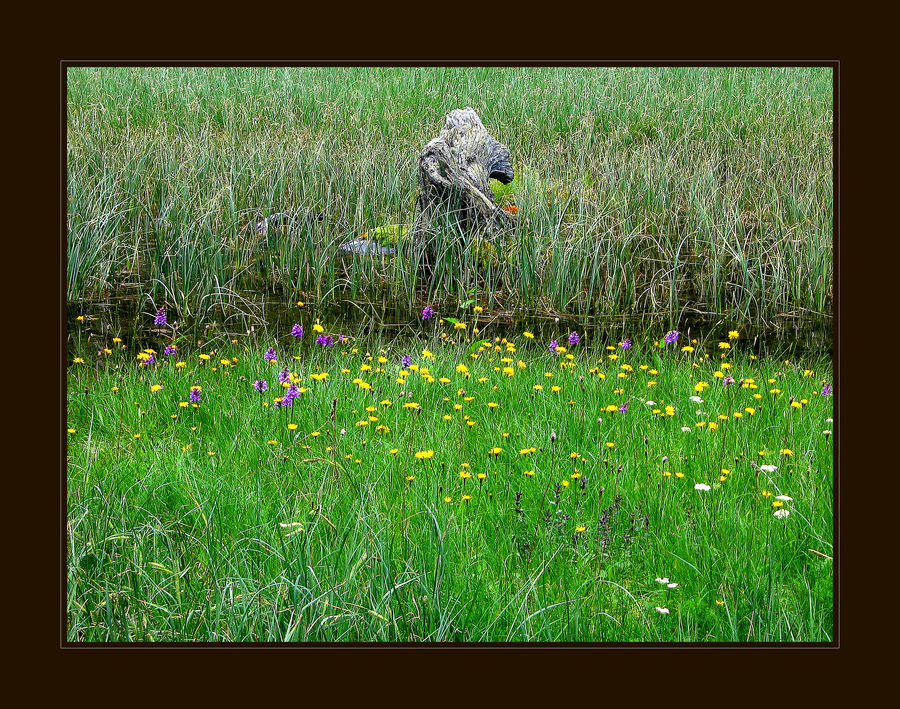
point(781, 513)
point(664, 611)
point(703, 487)
point(768, 468)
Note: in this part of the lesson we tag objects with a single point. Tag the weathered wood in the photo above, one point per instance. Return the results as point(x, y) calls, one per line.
point(454, 173)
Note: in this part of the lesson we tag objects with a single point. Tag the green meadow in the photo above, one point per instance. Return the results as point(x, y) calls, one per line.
point(480, 490)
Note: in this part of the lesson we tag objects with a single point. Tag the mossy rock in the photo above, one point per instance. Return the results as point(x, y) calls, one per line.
point(388, 235)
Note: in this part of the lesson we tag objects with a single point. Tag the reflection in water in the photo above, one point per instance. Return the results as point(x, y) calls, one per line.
point(274, 317)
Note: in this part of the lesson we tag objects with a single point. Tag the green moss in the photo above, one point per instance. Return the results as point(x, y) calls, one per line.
point(388, 235)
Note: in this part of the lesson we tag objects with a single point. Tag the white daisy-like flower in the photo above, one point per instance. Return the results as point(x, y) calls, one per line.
point(671, 585)
point(827, 433)
point(664, 611)
point(664, 579)
point(686, 429)
point(696, 399)
point(829, 420)
point(784, 498)
point(702, 486)
point(781, 513)
point(649, 403)
point(769, 468)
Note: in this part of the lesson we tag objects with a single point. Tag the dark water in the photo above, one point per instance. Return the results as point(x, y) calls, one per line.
point(269, 319)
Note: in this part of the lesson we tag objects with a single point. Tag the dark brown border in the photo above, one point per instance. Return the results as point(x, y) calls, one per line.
point(65, 64)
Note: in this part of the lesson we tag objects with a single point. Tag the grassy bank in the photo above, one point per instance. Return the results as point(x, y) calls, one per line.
point(480, 490)
point(659, 191)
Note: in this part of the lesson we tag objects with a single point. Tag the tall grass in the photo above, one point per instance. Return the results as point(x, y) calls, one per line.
point(665, 191)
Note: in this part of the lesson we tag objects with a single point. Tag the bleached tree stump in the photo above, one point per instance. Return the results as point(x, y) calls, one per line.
point(454, 173)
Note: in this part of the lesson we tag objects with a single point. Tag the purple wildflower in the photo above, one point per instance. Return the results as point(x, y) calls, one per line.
point(325, 340)
point(553, 345)
point(297, 331)
point(169, 351)
point(292, 393)
point(827, 389)
point(625, 344)
point(727, 381)
point(623, 408)
point(574, 339)
point(160, 318)
point(284, 375)
point(427, 313)
point(260, 385)
point(671, 336)
point(270, 354)
point(148, 361)
point(195, 395)
point(406, 361)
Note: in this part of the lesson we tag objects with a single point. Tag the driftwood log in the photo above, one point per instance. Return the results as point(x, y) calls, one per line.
point(454, 175)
